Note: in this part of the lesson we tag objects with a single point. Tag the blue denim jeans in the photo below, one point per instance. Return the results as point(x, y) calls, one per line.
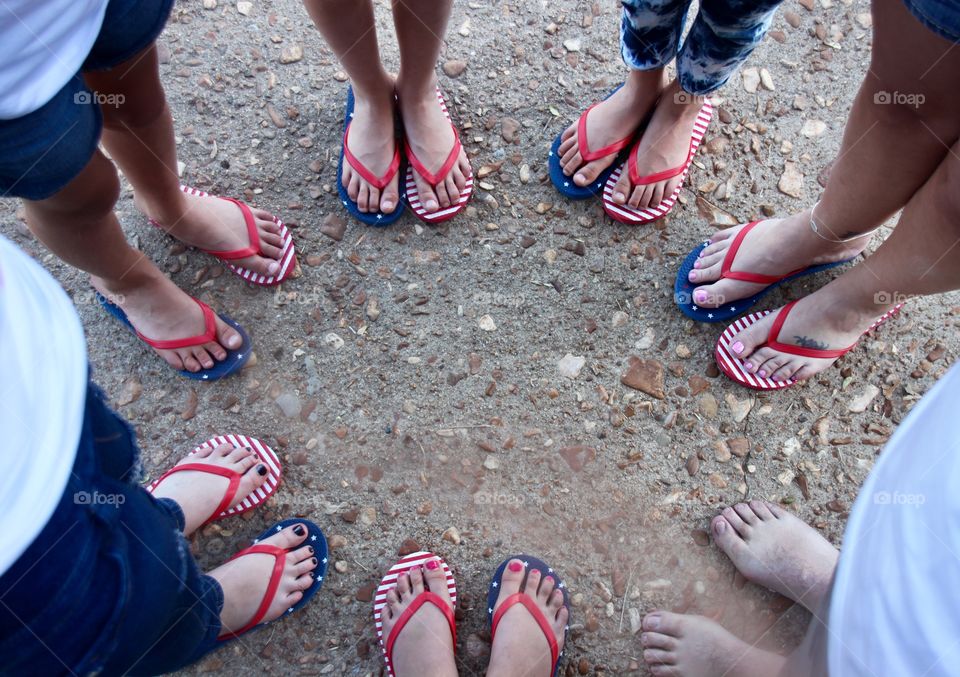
point(109, 586)
point(723, 35)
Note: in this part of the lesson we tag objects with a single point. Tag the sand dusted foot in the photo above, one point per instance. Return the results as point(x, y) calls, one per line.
point(825, 320)
point(773, 548)
point(664, 146)
point(161, 311)
point(616, 117)
point(432, 139)
point(213, 224)
point(199, 493)
point(424, 647)
point(371, 141)
point(520, 647)
point(773, 247)
point(244, 580)
point(679, 645)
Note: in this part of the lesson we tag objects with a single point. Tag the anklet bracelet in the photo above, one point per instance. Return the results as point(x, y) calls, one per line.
point(816, 229)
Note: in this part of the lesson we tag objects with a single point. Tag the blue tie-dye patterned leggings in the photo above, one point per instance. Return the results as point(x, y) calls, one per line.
point(721, 38)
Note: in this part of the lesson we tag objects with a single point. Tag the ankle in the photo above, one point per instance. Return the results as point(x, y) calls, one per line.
point(418, 89)
point(821, 247)
point(638, 81)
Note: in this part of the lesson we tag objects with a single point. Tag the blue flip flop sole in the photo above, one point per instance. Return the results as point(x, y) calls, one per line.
point(531, 563)
point(378, 219)
point(231, 365)
point(565, 185)
point(683, 291)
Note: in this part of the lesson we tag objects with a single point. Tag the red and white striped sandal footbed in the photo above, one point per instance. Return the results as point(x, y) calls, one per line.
point(288, 255)
point(410, 189)
point(389, 582)
point(733, 366)
point(629, 215)
point(252, 500)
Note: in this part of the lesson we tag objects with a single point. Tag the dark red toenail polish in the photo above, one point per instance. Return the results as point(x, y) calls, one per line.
point(299, 530)
point(515, 566)
point(310, 549)
point(433, 565)
point(548, 578)
point(261, 470)
point(314, 560)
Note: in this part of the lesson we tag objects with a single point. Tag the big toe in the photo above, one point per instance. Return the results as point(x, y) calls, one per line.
point(588, 173)
point(289, 537)
point(435, 577)
point(727, 537)
point(512, 578)
point(744, 343)
point(621, 191)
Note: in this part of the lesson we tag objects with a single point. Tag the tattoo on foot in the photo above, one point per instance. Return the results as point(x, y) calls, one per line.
point(806, 342)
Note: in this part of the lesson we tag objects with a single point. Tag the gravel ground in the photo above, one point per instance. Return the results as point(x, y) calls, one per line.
point(409, 377)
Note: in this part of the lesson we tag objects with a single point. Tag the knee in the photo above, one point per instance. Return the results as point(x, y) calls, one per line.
point(88, 198)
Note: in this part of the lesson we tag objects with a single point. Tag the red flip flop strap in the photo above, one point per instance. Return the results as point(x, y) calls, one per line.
point(231, 475)
point(434, 179)
point(774, 343)
point(638, 180)
point(744, 276)
point(209, 334)
point(583, 146)
point(279, 558)
point(423, 598)
point(525, 600)
point(378, 182)
point(253, 249)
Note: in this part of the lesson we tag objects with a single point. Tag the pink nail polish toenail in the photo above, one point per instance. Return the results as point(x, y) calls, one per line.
point(515, 566)
point(748, 365)
point(692, 276)
point(696, 264)
point(548, 578)
point(737, 347)
point(762, 373)
point(699, 296)
point(433, 565)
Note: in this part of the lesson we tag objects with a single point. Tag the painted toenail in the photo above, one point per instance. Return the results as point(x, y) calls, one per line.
point(387, 205)
point(693, 276)
point(261, 470)
point(433, 565)
point(299, 530)
point(273, 267)
point(699, 296)
point(748, 365)
point(549, 578)
point(314, 560)
point(737, 347)
point(515, 566)
point(696, 264)
point(763, 373)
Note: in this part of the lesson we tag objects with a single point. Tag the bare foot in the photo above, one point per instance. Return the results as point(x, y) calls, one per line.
point(424, 647)
point(773, 548)
point(371, 140)
point(665, 145)
point(614, 118)
point(519, 647)
point(431, 137)
point(199, 493)
point(217, 225)
point(678, 645)
point(161, 311)
point(774, 247)
point(824, 320)
point(244, 580)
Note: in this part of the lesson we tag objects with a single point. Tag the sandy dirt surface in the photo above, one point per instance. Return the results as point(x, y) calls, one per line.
point(409, 377)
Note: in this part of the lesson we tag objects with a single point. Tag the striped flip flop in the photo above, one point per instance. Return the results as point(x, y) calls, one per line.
point(252, 500)
point(731, 365)
point(493, 594)
point(412, 194)
point(389, 582)
point(629, 215)
point(288, 255)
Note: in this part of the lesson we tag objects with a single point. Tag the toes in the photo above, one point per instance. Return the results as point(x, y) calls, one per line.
point(556, 601)
point(568, 135)
point(205, 452)
point(304, 567)
point(203, 357)
point(724, 534)
point(272, 239)
point(393, 599)
point(428, 199)
point(363, 198)
point(746, 514)
point(416, 581)
point(804, 372)
point(224, 450)
point(373, 200)
point(301, 554)
point(761, 510)
point(621, 190)
point(403, 585)
point(588, 173)
point(773, 362)
point(353, 188)
point(442, 196)
point(293, 598)
point(751, 338)
point(707, 273)
point(435, 576)
point(533, 582)
point(243, 459)
point(658, 657)
point(704, 262)
point(512, 578)
point(345, 178)
point(269, 251)
point(546, 589)
point(776, 510)
point(735, 521)
point(190, 363)
point(288, 538)
point(460, 175)
point(227, 337)
point(390, 198)
point(721, 236)
point(787, 371)
point(657, 194)
point(451, 184)
point(303, 582)
point(175, 361)
point(664, 622)
point(563, 616)
point(636, 197)
point(657, 640)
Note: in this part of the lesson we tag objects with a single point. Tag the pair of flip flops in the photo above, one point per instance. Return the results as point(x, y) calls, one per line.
point(727, 358)
point(419, 559)
point(407, 166)
point(315, 537)
point(236, 358)
point(607, 180)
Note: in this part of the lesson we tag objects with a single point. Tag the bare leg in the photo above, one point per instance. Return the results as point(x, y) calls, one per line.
point(138, 133)
point(921, 257)
point(348, 27)
point(421, 25)
point(889, 150)
point(79, 226)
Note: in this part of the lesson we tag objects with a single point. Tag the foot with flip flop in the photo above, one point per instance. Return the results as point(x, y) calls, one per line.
point(528, 610)
point(285, 565)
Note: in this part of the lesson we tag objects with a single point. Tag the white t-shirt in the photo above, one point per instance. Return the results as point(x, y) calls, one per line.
point(44, 43)
point(43, 385)
point(895, 607)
